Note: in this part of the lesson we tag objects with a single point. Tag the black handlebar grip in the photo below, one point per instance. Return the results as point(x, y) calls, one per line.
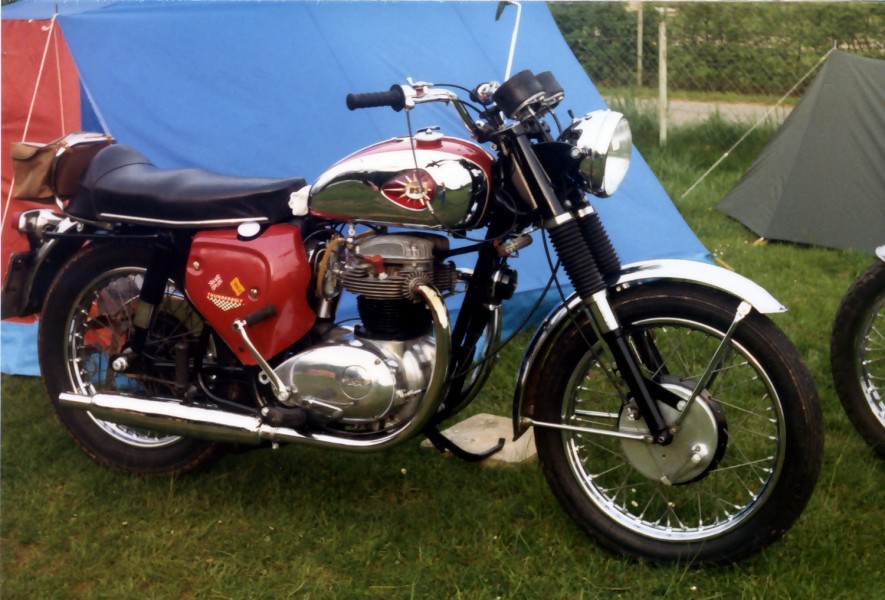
point(395, 98)
point(263, 314)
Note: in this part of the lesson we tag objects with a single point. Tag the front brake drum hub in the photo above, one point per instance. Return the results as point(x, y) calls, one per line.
point(696, 448)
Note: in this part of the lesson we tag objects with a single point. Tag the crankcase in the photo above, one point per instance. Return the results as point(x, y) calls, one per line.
point(355, 380)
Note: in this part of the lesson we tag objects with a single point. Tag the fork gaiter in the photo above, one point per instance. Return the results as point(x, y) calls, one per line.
point(580, 266)
point(597, 239)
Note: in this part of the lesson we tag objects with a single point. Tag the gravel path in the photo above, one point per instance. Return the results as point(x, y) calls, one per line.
point(683, 112)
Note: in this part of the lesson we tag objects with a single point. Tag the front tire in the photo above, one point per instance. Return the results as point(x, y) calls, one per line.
point(86, 321)
point(745, 460)
point(857, 355)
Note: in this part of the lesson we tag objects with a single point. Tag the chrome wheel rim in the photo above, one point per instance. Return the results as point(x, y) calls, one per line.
point(871, 359)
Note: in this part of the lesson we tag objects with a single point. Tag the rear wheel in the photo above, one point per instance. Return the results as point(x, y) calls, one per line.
point(86, 322)
point(744, 461)
point(857, 355)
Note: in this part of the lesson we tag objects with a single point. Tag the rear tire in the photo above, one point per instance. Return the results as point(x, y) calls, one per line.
point(742, 466)
point(857, 355)
point(86, 320)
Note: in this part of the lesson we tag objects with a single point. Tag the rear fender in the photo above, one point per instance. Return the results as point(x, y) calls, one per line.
point(30, 273)
point(556, 323)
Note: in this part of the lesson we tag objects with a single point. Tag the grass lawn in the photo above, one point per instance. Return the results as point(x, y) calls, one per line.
point(406, 523)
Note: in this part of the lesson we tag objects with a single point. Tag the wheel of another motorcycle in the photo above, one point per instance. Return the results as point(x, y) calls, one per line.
point(857, 355)
point(744, 461)
point(86, 321)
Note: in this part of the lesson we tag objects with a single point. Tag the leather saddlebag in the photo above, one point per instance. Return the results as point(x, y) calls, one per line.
point(46, 171)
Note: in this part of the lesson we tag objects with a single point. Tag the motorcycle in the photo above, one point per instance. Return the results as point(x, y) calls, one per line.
point(856, 351)
point(185, 313)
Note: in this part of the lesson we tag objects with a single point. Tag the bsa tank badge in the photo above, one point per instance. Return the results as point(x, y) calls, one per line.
point(412, 190)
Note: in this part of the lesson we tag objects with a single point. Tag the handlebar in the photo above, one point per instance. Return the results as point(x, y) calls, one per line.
point(395, 98)
point(399, 97)
point(408, 96)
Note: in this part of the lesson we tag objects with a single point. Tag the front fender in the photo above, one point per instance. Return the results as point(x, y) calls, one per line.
point(701, 273)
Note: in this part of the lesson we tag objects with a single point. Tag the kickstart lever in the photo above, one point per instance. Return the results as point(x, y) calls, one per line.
point(239, 325)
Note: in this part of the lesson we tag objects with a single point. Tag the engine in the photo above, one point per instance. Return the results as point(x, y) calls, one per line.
point(374, 375)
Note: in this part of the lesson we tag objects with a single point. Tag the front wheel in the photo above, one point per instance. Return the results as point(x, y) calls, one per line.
point(857, 355)
point(744, 461)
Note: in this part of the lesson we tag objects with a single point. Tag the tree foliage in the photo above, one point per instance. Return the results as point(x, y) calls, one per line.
point(750, 48)
point(603, 36)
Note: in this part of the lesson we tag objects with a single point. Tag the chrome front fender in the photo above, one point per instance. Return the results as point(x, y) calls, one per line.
point(700, 273)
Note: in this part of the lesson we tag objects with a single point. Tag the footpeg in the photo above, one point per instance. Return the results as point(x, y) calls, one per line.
point(276, 416)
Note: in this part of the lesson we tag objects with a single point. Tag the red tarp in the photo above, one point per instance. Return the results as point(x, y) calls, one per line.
point(56, 106)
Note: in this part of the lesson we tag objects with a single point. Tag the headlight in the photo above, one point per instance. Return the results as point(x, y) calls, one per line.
point(603, 146)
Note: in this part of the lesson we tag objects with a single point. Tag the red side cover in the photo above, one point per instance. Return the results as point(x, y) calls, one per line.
point(228, 279)
point(56, 109)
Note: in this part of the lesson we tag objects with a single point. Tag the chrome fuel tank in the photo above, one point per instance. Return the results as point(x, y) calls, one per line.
point(443, 183)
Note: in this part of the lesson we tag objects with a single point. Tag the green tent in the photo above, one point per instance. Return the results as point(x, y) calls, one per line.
point(821, 180)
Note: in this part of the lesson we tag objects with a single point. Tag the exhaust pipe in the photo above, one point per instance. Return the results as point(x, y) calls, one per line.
point(169, 416)
point(172, 417)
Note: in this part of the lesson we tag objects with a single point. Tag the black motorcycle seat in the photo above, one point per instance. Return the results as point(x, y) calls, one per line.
point(122, 185)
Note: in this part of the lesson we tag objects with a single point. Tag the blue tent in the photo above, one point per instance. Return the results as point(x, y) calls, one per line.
point(257, 88)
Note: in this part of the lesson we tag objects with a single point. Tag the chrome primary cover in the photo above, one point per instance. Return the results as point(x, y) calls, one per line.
point(448, 189)
point(355, 380)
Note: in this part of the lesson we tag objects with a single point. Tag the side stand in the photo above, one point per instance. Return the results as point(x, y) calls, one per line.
point(443, 444)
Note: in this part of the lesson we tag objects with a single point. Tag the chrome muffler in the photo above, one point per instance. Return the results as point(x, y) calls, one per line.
point(172, 417)
point(169, 416)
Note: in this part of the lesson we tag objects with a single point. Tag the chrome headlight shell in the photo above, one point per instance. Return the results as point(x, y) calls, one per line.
point(603, 146)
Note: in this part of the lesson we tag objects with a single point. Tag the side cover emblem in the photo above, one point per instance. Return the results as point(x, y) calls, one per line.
point(225, 303)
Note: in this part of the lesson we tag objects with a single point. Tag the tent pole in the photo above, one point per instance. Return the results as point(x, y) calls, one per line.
point(663, 100)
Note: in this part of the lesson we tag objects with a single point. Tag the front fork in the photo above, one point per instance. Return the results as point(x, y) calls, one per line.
point(580, 265)
point(587, 255)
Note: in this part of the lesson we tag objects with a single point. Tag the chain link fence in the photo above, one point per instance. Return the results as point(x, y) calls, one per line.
point(737, 61)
